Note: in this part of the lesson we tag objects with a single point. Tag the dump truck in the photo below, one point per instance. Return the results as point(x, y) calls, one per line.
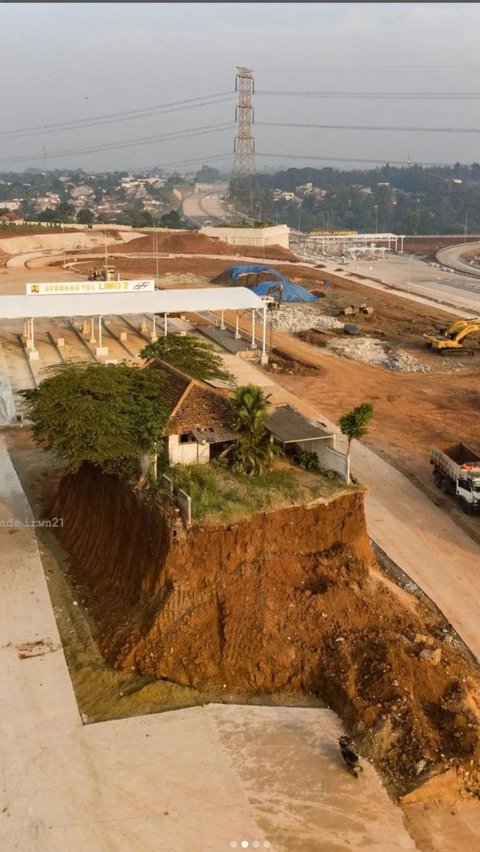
point(456, 470)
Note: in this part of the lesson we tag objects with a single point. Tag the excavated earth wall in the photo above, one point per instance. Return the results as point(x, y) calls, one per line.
point(289, 600)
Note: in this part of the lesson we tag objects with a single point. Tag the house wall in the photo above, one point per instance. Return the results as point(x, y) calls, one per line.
point(332, 459)
point(189, 453)
point(328, 456)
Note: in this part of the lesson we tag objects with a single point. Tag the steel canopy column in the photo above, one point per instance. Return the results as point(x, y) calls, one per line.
point(237, 333)
point(100, 332)
point(264, 332)
point(222, 324)
point(165, 325)
point(253, 345)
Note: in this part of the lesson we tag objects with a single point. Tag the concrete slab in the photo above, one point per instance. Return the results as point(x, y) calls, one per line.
point(226, 339)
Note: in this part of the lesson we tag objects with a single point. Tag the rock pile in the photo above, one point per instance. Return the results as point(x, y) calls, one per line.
point(299, 319)
point(402, 362)
point(371, 351)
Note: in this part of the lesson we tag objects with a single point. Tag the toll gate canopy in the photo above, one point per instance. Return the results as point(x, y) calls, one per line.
point(104, 304)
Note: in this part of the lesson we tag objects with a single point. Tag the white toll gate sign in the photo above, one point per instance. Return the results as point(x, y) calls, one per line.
point(77, 288)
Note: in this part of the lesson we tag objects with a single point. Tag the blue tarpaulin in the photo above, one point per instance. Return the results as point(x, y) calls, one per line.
point(290, 293)
point(236, 271)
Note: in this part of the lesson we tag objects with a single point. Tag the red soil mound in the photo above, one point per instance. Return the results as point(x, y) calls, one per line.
point(259, 609)
point(190, 242)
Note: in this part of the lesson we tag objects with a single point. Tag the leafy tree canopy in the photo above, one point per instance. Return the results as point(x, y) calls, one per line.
point(194, 357)
point(105, 415)
point(354, 424)
point(172, 220)
point(85, 216)
point(253, 452)
point(207, 174)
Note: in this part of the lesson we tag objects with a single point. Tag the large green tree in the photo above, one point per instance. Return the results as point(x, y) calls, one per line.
point(253, 452)
point(85, 216)
point(194, 357)
point(172, 219)
point(107, 415)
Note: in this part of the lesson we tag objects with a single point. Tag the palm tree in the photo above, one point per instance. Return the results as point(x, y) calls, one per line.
point(253, 452)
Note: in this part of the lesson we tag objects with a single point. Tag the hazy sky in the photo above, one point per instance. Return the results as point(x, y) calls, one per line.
point(65, 63)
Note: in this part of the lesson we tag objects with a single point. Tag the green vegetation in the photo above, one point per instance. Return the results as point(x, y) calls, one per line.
point(307, 460)
point(354, 424)
point(85, 216)
point(409, 199)
point(254, 452)
point(105, 415)
point(196, 358)
point(220, 493)
point(172, 220)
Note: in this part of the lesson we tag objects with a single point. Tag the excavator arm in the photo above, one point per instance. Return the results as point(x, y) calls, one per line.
point(450, 339)
point(470, 328)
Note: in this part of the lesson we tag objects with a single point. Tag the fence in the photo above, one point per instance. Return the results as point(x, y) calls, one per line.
point(182, 499)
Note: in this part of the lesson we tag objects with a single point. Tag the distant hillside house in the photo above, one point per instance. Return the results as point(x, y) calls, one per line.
point(199, 428)
point(11, 219)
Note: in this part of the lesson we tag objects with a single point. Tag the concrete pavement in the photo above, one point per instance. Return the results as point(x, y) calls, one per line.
point(204, 779)
point(451, 256)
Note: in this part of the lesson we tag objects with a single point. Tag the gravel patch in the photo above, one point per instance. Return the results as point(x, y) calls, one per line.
point(367, 350)
point(299, 319)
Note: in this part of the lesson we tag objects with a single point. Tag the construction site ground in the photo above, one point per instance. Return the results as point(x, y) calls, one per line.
point(412, 411)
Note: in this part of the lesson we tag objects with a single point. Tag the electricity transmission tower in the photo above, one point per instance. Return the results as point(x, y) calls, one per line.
point(244, 190)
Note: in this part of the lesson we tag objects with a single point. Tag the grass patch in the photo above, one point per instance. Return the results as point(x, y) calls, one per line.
point(220, 494)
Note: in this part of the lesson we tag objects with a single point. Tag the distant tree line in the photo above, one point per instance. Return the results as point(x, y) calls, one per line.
point(409, 200)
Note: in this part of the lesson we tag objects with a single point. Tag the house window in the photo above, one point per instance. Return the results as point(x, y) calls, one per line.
point(186, 438)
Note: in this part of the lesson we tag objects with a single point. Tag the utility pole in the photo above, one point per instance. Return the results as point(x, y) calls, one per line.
point(244, 186)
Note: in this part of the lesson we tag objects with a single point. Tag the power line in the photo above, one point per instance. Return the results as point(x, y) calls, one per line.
point(371, 127)
point(432, 96)
point(127, 115)
point(144, 140)
point(213, 158)
point(307, 157)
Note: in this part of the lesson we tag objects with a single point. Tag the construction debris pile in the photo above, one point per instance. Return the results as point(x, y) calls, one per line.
point(372, 352)
point(298, 319)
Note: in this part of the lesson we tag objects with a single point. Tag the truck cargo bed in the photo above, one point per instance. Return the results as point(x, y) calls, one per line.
point(460, 453)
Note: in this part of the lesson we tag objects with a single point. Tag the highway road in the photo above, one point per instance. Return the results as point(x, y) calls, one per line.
point(451, 256)
point(201, 207)
point(411, 276)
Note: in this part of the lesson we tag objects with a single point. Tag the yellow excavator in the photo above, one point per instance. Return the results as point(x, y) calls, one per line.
point(448, 341)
